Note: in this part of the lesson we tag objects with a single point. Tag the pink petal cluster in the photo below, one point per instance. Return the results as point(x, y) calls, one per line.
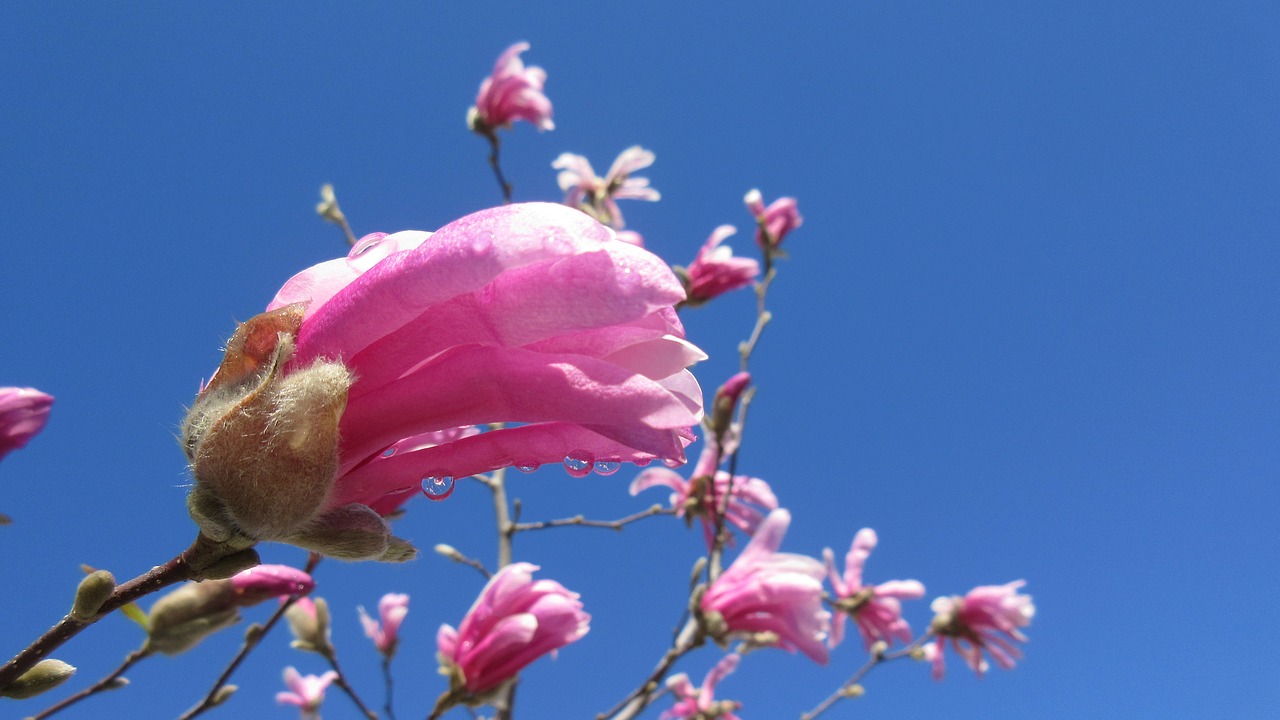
point(700, 497)
point(530, 314)
point(385, 632)
point(716, 271)
point(269, 581)
point(765, 591)
point(774, 222)
point(875, 609)
point(986, 618)
point(700, 703)
point(305, 691)
point(513, 92)
point(23, 414)
point(515, 621)
point(584, 190)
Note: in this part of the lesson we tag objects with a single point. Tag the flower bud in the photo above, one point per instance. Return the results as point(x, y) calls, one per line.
point(45, 676)
point(269, 581)
point(94, 590)
point(309, 622)
point(180, 620)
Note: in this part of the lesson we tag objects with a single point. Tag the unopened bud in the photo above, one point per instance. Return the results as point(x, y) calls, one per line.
point(224, 693)
point(309, 622)
point(116, 683)
point(45, 676)
point(231, 565)
point(878, 648)
point(918, 653)
point(93, 591)
point(853, 691)
point(265, 582)
point(726, 401)
point(180, 620)
point(448, 551)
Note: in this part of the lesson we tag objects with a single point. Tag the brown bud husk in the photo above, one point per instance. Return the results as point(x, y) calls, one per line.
point(180, 620)
point(262, 443)
point(45, 676)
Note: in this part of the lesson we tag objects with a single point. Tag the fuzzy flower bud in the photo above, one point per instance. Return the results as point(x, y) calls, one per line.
point(269, 581)
point(309, 622)
point(93, 591)
point(185, 616)
point(45, 676)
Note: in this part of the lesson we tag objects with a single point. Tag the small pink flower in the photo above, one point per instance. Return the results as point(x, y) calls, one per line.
point(986, 618)
point(598, 196)
point(775, 222)
point(513, 92)
point(875, 609)
point(700, 703)
point(700, 498)
point(765, 591)
point(385, 634)
point(23, 414)
point(716, 271)
point(269, 581)
point(305, 691)
point(515, 621)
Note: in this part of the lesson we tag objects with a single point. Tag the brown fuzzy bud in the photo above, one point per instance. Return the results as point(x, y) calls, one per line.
point(262, 442)
point(45, 676)
point(94, 590)
point(180, 620)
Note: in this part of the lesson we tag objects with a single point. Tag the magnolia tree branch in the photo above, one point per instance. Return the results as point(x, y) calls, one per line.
point(494, 145)
point(851, 687)
point(112, 681)
point(580, 521)
point(692, 636)
point(341, 682)
point(389, 687)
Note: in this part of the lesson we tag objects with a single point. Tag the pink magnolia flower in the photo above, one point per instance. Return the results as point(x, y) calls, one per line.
point(515, 621)
point(531, 315)
point(305, 691)
point(269, 581)
point(986, 618)
point(875, 609)
point(23, 414)
point(775, 222)
point(599, 196)
point(700, 703)
point(765, 591)
point(513, 92)
point(716, 271)
point(699, 497)
point(385, 635)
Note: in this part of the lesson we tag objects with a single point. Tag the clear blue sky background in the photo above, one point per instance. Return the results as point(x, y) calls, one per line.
point(1029, 328)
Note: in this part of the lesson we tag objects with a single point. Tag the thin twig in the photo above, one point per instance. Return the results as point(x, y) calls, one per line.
point(389, 685)
point(630, 706)
point(580, 521)
point(341, 682)
point(846, 688)
point(494, 144)
point(106, 683)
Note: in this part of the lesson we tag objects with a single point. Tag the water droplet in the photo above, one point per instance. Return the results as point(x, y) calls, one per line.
point(627, 279)
point(557, 245)
point(642, 462)
point(527, 467)
point(482, 244)
point(388, 452)
point(672, 462)
point(578, 463)
point(367, 243)
point(607, 467)
point(437, 487)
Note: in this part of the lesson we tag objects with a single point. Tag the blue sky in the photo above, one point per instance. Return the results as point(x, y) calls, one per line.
point(1028, 330)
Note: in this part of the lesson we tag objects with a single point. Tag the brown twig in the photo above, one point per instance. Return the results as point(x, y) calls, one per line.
point(691, 637)
point(106, 683)
point(580, 521)
point(850, 687)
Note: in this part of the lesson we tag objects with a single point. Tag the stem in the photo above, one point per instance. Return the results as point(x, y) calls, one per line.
point(763, 317)
point(494, 144)
point(506, 531)
point(580, 521)
point(183, 567)
point(691, 637)
point(876, 659)
point(106, 683)
point(387, 682)
point(345, 686)
point(346, 230)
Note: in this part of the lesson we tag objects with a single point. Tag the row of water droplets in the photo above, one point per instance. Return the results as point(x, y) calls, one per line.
point(439, 485)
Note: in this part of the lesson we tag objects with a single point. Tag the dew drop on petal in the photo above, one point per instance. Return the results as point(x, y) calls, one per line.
point(578, 463)
point(367, 243)
point(388, 452)
point(527, 467)
point(642, 462)
point(482, 244)
point(606, 467)
point(672, 462)
point(437, 487)
point(557, 245)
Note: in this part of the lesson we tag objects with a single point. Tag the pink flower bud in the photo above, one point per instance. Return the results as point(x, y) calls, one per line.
point(392, 609)
point(987, 619)
point(305, 691)
point(513, 92)
point(876, 609)
point(23, 414)
point(765, 591)
point(269, 581)
point(774, 222)
point(515, 621)
point(700, 703)
point(716, 271)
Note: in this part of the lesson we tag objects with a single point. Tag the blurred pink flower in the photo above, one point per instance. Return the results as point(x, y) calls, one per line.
point(23, 414)
point(269, 581)
point(875, 609)
point(385, 635)
point(700, 703)
point(305, 691)
point(527, 313)
point(779, 219)
point(699, 498)
point(599, 196)
point(515, 621)
point(716, 271)
point(513, 92)
point(986, 618)
point(765, 591)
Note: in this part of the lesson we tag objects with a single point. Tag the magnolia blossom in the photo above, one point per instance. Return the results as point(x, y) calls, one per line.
point(513, 92)
point(515, 621)
point(986, 618)
point(716, 271)
point(23, 414)
point(765, 591)
point(269, 581)
point(777, 220)
point(305, 691)
point(395, 356)
point(875, 609)
point(385, 634)
point(700, 497)
point(599, 196)
point(700, 703)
